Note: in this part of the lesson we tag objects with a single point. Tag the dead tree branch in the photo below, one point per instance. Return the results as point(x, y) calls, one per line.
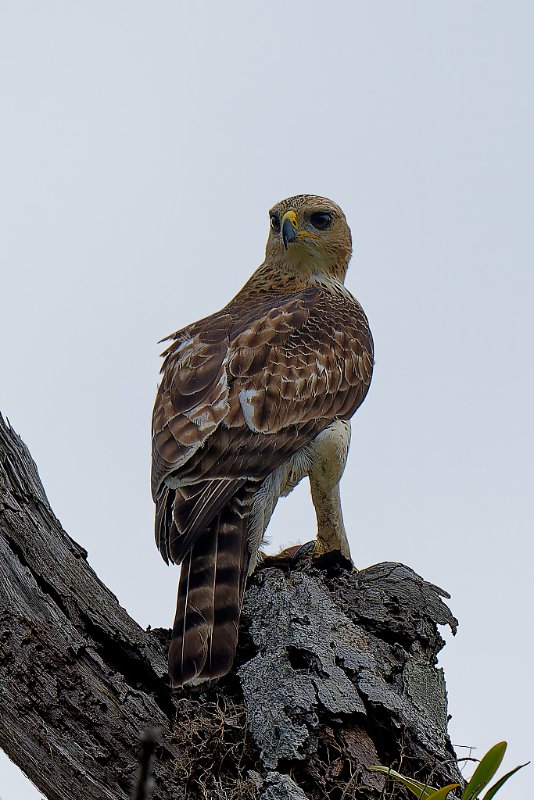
point(335, 672)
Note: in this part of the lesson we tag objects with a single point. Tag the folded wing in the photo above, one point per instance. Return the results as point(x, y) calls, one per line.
point(241, 392)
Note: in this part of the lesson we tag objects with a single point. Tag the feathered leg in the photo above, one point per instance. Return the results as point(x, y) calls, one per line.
point(329, 455)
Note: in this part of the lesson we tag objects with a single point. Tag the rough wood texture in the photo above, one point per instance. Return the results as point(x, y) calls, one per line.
point(80, 679)
point(335, 671)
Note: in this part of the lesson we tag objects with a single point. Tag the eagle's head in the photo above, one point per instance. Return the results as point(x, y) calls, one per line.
point(309, 234)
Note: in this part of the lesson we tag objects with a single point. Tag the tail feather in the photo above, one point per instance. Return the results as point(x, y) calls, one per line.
point(193, 622)
point(210, 596)
point(232, 566)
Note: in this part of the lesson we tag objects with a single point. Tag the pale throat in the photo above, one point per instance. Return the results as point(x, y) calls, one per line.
point(314, 269)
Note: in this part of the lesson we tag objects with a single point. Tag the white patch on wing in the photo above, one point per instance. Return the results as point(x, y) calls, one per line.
point(174, 481)
point(202, 417)
point(207, 417)
point(246, 397)
point(189, 348)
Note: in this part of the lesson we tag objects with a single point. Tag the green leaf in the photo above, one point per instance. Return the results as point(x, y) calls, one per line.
point(421, 790)
point(485, 771)
point(442, 793)
point(496, 786)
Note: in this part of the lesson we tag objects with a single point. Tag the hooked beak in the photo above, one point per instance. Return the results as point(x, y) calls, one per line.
point(289, 228)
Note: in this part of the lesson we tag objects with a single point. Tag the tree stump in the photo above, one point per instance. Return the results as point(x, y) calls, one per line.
point(335, 671)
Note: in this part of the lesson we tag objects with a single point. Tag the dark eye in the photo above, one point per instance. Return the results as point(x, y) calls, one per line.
point(321, 220)
point(275, 223)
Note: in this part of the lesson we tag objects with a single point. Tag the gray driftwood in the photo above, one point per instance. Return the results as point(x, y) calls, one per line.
point(336, 671)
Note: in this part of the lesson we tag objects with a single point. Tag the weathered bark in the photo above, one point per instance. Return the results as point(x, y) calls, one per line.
point(335, 672)
point(80, 679)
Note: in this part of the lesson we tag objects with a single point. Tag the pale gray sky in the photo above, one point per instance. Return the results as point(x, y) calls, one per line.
point(141, 146)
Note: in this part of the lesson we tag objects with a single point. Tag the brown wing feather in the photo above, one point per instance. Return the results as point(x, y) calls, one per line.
point(245, 389)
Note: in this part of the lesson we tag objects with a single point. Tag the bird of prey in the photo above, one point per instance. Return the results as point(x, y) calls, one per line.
point(252, 399)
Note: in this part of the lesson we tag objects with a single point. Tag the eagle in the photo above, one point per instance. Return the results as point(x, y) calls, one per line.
point(252, 399)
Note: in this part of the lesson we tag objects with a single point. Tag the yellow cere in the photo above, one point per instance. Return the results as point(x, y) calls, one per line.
point(292, 217)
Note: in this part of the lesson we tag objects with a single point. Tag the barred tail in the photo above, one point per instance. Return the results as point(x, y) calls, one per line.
point(210, 596)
